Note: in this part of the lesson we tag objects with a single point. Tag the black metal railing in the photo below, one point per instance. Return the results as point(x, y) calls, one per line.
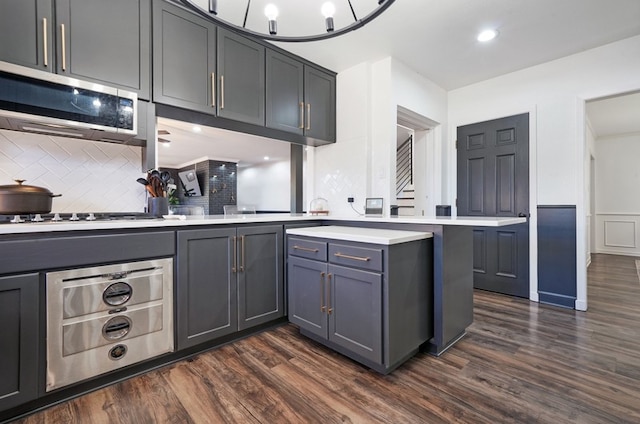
point(404, 165)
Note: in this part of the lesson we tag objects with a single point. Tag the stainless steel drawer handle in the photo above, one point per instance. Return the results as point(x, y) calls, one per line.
point(306, 249)
point(355, 258)
point(63, 44)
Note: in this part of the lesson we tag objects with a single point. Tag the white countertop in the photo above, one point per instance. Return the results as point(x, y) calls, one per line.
point(362, 235)
point(43, 227)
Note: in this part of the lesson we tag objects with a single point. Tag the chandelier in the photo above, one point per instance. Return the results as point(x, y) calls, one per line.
point(290, 20)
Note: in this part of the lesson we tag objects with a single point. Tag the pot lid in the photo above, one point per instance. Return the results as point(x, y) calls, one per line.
point(23, 189)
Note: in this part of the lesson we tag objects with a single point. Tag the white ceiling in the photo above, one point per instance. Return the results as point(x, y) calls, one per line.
point(187, 147)
point(615, 115)
point(437, 38)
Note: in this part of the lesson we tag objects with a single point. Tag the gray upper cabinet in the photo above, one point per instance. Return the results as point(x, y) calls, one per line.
point(93, 40)
point(105, 41)
point(26, 32)
point(184, 60)
point(300, 99)
point(205, 287)
point(320, 104)
point(241, 80)
point(285, 93)
point(19, 335)
point(260, 275)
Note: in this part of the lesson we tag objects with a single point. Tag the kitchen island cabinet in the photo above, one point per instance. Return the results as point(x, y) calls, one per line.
point(367, 300)
point(19, 362)
point(80, 39)
point(229, 280)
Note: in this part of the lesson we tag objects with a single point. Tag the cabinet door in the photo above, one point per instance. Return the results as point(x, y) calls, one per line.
point(355, 311)
point(26, 31)
point(206, 289)
point(184, 68)
point(320, 107)
point(240, 78)
point(105, 41)
point(285, 93)
point(260, 279)
point(19, 334)
point(307, 295)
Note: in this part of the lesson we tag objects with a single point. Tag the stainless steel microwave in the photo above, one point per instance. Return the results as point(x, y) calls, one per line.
point(42, 102)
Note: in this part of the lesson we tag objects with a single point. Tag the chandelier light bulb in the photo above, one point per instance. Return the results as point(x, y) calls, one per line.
point(271, 12)
point(328, 9)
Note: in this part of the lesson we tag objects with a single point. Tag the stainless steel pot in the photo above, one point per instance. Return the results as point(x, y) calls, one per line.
point(18, 199)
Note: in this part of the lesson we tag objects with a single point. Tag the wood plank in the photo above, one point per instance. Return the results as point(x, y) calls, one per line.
point(519, 362)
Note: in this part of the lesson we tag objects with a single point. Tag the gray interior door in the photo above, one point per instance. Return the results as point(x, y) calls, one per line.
point(493, 180)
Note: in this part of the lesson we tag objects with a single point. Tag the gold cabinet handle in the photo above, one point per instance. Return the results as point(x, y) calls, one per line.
point(45, 52)
point(308, 116)
point(64, 48)
point(329, 308)
point(301, 115)
point(235, 254)
point(322, 307)
point(305, 249)
point(213, 89)
point(355, 258)
point(221, 91)
point(242, 256)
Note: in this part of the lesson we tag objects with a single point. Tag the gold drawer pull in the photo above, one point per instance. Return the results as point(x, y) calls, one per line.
point(329, 308)
point(355, 258)
point(306, 249)
point(322, 307)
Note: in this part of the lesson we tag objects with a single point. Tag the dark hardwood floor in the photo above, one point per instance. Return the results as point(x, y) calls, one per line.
point(520, 362)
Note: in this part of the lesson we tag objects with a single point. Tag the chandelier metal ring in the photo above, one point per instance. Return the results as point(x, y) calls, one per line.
point(271, 24)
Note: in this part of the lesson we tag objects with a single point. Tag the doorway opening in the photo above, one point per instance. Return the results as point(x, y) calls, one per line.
point(417, 173)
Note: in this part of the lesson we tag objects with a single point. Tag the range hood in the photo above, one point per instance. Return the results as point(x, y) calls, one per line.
point(46, 103)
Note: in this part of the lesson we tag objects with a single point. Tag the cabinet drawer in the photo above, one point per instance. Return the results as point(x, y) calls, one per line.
point(307, 249)
point(357, 257)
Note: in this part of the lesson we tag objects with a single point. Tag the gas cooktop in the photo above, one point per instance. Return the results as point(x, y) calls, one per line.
point(75, 217)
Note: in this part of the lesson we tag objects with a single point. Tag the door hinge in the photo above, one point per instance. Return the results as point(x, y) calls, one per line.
point(456, 202)
point(456, 144)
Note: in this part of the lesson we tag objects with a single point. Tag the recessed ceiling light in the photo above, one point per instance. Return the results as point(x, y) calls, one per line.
point(196, 129)
point(266, 158)
point(487, 35)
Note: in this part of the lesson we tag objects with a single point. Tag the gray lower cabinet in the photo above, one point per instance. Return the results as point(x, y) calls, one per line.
point(340, 304)
point(205, 286)
point(370, 302)
point(19, 307)
point(184, 59)
point(228, 280)
point(300, 98)
point(94, 40)
point(240, 78)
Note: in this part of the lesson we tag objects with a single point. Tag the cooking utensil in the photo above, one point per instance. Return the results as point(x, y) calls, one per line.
point(17, 199)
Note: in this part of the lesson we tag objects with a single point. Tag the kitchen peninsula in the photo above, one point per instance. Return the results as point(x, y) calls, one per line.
point(228, 250)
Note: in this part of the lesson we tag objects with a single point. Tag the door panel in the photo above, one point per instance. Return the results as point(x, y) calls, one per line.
point(493, 180)
point(260, 279)
point(307, 298)
point(355, 305)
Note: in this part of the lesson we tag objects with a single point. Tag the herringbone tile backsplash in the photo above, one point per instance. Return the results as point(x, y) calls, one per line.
point(91, 176)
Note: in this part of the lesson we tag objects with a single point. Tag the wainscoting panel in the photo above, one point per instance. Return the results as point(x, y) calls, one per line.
point(618, 233)
point(557, 273)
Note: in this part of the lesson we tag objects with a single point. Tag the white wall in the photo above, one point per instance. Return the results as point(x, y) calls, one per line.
point(589, 190)
point(91, 176)
point(554, 93)
point(361, 163)
point(267, 186)
point(618, 194)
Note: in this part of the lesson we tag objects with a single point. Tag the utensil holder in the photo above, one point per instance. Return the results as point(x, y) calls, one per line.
point(158, 206)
